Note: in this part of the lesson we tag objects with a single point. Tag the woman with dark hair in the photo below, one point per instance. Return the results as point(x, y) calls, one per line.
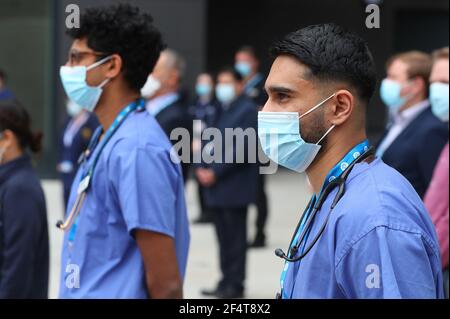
point(24, 251)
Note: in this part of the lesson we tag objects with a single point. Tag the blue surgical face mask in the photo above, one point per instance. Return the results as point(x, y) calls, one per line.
point(244, 68)
point(439, 100)
point(390, 92)
point(279, 134)
point(74, 83)
point(203, 89)
point(225, 93)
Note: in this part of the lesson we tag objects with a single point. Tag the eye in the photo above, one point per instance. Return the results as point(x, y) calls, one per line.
point(281, 97)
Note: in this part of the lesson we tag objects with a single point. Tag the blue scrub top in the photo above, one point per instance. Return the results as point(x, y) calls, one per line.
point(135, 186)
point(379, 243)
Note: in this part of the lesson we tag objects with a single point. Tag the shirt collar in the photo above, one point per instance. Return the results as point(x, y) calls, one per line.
point(157, 104)
point(412, 112)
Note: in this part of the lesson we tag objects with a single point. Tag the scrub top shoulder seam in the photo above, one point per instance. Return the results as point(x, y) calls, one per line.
point(379, 222)
point(397, 228)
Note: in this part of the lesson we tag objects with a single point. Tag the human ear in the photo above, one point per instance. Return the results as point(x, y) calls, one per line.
point(342, 107)
point(114, 66)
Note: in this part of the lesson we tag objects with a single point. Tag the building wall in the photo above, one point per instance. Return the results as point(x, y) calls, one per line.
point(26, 57)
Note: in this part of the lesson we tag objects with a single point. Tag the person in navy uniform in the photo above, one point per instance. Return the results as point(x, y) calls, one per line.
point(205, 111)
point(75, 138)
point(230, 186)
point(24, 247)
point(247, 64)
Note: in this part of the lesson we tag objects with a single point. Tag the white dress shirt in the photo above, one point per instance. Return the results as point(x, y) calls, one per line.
point(400, 123)
point(157, 104)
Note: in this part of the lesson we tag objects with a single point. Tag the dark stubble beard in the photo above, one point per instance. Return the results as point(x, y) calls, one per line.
point(313, 127)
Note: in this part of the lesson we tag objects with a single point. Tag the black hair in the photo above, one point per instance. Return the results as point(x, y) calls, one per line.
point(228, 69)
point(14, 117)
point(249, 50)
point(332, 54)
point(122, 29)
point(2, 75)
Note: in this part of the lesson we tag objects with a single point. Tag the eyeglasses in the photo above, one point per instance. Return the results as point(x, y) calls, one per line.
point(75, 57)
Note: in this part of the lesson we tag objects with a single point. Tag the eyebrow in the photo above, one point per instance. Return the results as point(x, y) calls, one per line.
point(279, 89)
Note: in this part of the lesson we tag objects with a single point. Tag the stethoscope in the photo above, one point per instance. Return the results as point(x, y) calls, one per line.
point(338, 182)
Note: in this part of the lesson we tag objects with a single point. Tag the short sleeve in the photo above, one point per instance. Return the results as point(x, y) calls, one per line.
point(387, 263)
point(146, 183)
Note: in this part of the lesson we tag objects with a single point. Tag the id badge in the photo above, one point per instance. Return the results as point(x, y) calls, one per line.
point(84, 184)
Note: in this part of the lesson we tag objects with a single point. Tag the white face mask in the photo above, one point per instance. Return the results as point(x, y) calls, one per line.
point(73, 109)
point(150, 87)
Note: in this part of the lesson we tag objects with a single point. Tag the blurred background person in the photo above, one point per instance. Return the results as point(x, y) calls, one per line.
point(5, 93)
point(230, 187)
point(205, 110)
point(24, 247)
point(247, 64)
point(75, 137)
point(415, 138)
point(436, 198)
point(166, 101)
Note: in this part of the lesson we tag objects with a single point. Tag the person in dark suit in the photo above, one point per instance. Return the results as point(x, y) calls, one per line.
point(415, 138)
point(24, 247)
point(247, 64)
point(166, 101)
point(205, 112)
point(75, 137)
point(230, 185)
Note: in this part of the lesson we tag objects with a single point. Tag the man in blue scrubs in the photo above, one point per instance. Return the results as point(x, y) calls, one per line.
point(130, 237)
point(379, 241)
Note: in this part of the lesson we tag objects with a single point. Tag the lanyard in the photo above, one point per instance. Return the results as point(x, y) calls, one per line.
point(72, 220)
point(334, 173)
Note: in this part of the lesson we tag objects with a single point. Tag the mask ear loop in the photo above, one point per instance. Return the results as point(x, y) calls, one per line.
point(326, 133)
point(317, 106)
point(98, 63)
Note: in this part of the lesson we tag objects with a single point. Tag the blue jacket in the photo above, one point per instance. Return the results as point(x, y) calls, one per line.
point(236, 182)
point(415, 151)
point(24, 251)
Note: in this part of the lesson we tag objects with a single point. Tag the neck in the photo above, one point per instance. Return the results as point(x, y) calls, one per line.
point(412, 102)
point(111, 103)
point(12, 154)
point(205, 99)
point(249, 77)
point(330, 155)
point(164, 91)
